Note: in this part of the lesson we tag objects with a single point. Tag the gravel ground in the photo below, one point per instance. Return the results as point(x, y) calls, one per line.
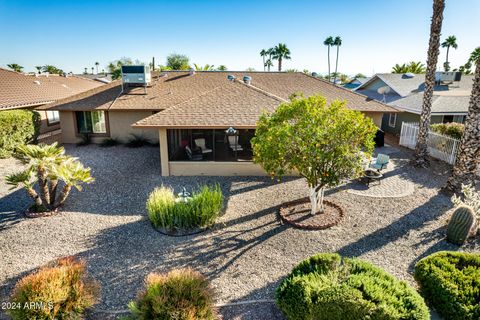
point(248, 252)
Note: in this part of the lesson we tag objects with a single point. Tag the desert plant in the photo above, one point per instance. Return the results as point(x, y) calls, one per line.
point(109, 142)
point(450, 282)
point(17, 127)
point(470, 197)
point(170, 213)
point(137, 141)
point(462, 224)
point(61, 290)
point(452, 129)
point(325, 287)
point(179, 294)
point(85, 140)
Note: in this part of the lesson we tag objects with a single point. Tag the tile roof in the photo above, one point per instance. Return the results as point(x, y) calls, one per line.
point(18, 90)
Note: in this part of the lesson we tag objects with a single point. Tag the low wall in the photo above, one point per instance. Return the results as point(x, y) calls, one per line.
point(210, 168)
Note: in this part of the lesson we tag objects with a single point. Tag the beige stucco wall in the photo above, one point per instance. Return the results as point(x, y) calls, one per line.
point(376, 117)
point(210, 168)
point(44, 127)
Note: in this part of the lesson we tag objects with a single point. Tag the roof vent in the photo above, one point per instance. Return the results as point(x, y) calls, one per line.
point(231, 77)
point(36, 82)
point(409, 75)
point(247, 79)
point(314, 74)
point(191, 71)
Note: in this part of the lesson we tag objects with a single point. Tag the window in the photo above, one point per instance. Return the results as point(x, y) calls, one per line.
point(392, 120)
point(459, 119)
point(91, 122)
point(447, 119)
point(53, 117)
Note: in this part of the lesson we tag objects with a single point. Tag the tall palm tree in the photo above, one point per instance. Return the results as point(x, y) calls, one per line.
point(39, 69)
point(337, 42)
point(451, 41)
point(279, 53)
point(468, 156)
point(263, 54)
point(421, 149)
point(328, 42)
point(15, 67)
point(269, 64)
point(92, 70)
point(96, 65)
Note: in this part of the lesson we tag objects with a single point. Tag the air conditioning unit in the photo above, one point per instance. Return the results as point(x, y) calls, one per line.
point(136, 75)
point(447, 77)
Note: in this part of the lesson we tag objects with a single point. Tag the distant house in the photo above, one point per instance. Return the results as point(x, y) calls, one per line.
point(203, 120)
point(355, 83)
point(405, 92)
point(101, 77)
point(28, 91)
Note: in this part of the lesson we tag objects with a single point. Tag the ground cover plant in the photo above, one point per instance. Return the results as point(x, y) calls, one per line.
point(17, 127)
point(137, 141)
point(179, 294)
point(172, 214)
point(450, 282)
point(325, 286)
point(62, 290)
point(109, 142)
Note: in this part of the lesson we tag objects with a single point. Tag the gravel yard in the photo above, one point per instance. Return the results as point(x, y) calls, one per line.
point(247, 253)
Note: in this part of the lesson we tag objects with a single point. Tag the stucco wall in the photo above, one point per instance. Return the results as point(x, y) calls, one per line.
point(376, 117)
point(44, 127)
point(405, 117)
point(208, 168)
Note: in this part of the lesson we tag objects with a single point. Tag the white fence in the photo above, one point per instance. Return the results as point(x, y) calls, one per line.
point(439, 146)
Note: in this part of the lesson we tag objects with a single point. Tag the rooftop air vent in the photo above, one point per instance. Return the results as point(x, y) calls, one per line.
point(136, 75)
point(247, 79)
point(409, 75)
point(314, 74)
point(231, 77)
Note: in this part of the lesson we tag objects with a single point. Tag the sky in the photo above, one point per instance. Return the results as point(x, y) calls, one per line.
point(376, 34)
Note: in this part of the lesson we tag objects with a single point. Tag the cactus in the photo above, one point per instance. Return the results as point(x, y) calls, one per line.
point(462, 224)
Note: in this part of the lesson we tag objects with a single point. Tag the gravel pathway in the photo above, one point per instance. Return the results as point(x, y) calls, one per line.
point(248, 252)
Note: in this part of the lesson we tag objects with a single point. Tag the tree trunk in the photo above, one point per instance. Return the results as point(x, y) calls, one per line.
point(421, 149)
point(32, 193)
point(468, 156)
point(280, 64)
point(43, 183)
point(328, 55)
point(336, 65)
point(447, 67)
point(63, 195)
point(263, 63)
point(53, 192)
point(316, 199)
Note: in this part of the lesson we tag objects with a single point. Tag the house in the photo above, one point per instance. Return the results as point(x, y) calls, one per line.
point(405, 92)
point(355, 82)
point(30, 91)
point(202, 120)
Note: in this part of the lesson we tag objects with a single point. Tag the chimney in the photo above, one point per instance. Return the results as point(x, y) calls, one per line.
point(247, 80)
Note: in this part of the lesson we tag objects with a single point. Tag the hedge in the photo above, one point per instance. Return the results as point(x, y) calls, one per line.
point(450, 282)
point(17, 127)
point(325, 287)
point(453, 129)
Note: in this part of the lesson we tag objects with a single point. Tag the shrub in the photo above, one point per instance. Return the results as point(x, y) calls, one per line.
point(17, 127)
point(180, 294)
point(137, 141)
point(450, 282)
point(453, 129)
point(325, 287)
point(63, 287)
point(109, 142)
point(167, 212)
point(85, 139)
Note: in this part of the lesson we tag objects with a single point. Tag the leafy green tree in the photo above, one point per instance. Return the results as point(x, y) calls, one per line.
point(15, 67)
point(322, 143)
point(329, 43)
point(52, 69)
point(115, 67)
point(177, 61)
point(336, 42)
point(222, 68)
point(279, 53)
point(207, 67)
point(451, 41)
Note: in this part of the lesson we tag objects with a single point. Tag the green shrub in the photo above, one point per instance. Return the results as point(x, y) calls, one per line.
point(452, 129)
point(325, 287)
point(109, 142)
point(201, 210)
point(180, 294)
point(63, 287)
point(450, 282)
point(137, 141)
point(17, 127)
point(85, 139)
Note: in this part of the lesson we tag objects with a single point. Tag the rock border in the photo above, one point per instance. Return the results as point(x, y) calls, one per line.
point(310, 226)
point(32, 214)
point(181, 233)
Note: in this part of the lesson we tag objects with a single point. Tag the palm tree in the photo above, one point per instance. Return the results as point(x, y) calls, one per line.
point(25, 178)
point(39, 69)
point(15, 67)
point(269, 64)
point(421, 149)
point(279, 53)
point(96, 65)
point(337, 42)
point(328, 42)
point(72, 173)
point(400, 68)
point(475, 55)
point(270, 53)
point(416, 67)
point(85, 71)
point(207, 67)
point(451, 41)
point(222, 68)
point(468, 156)
point(92, 70)
point(263, 54)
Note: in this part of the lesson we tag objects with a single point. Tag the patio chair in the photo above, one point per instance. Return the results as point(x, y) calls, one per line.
point(381, 162)
point(234, 146)
point(193, 156)
point(200, 142)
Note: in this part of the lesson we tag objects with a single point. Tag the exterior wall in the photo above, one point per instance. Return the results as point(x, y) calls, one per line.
point(436, 119)
point(376, 117)
point(210, 168)
point(401, 117)
point(45, 126)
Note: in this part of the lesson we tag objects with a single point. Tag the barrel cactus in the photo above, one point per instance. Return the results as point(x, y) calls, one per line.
point(462, 224)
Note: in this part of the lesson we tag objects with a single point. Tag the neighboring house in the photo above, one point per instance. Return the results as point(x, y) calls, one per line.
point(203, 120)
point(101, 77)
point(405, 92)
point(355, 83)
point(30, 91)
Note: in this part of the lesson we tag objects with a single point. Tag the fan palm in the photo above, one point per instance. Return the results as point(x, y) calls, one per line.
point(421, 149)
point(96, 65)
point(207, 67)
point(269, 64)
point(400, 68)
point(39, 69)
point(475, 55)
point(25, 178)
point(15, 67)
point(279, 53)
point(337, 42)
point(72, 173)
point(263, 54)
point(451, 41)
point(328, 42)
point(416, 67)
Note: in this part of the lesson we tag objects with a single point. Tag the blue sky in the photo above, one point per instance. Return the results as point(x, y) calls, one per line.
point(376, 34)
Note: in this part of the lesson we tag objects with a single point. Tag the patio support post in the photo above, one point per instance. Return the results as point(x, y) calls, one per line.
point(164, 152)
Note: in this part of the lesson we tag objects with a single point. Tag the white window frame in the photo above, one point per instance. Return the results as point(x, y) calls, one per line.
point(393, 123)
point(53, 117)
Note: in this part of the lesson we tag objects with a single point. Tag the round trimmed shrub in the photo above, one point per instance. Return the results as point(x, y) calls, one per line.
point(450, 282)
point(166, 212)
point(17, 127)
point(61, 290)
point(179, 294)
point(325, 287)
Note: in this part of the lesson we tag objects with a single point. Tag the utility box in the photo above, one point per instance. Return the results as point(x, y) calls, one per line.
point(136, 75)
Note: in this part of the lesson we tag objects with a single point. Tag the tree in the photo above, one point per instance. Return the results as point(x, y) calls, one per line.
point(207, 67)
point(421, 149)
point(468, 156)
point(52, 69)
point(263, 54)
point(15, 67)
point(337, 42)
point(177, 61)
point(413, 67)
point(451, 41)
point(115, 67)
point(92, 70)
point(250, 69)
point(47, 165)
point(279, 53)
point(320, 142)
point(344, 78)
point(269, 64)
point(328, 42)
point(96, 65)
point(475, 55)
point(222, 68)
point(39, 69)
point(85, 71)
point(360, 75)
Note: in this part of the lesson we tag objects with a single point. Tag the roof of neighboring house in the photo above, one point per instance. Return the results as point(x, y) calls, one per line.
point(441, 104)
point(102, 77)
point(18, 90)
point(400, 83)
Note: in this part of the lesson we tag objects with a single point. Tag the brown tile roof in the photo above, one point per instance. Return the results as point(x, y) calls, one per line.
point(18, 90)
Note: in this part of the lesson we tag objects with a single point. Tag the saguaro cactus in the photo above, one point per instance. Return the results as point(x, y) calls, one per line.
point(462, 224)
